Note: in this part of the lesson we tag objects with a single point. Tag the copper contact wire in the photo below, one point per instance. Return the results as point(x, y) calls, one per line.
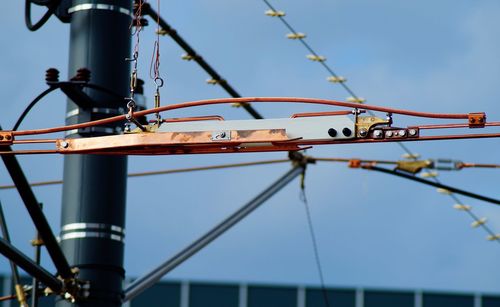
point(241, 100)
point(450, 126)
point(479, 165)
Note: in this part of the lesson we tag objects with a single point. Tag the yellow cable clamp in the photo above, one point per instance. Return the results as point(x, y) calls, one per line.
point(274, 13)
point(297, 35)
point(493, 238)
point(187, 57)
point(337, 79)
point(162, 32)
point(213, 81)
point(355, 99)
point(432, 174)
point(462, 207)
point(411, 156)
point(443, 191)
point(479, 222)
point(316, 58)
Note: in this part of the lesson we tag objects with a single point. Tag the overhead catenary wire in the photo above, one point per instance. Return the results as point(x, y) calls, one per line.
point(322, 61)
point(208, 102)
point(334, 76)
point(233, 165)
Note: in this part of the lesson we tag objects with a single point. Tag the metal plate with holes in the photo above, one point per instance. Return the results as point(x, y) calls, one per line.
point(304, 128)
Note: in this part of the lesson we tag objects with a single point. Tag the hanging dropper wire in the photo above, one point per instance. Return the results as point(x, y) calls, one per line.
point(154, 68)
point(131, 104)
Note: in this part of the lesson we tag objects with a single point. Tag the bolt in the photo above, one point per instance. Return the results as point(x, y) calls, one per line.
point(377, 133)
point(64, 144)
point(402, 133)
point(332, 132)
point(1, 137)
point(472, 120)
point(363, 132)
point(412, 132)
point(222, 135)
point(346, 131)
point(8, 137)
point(388, 134)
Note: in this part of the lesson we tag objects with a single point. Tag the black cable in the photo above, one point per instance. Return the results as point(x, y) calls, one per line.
point(51, 8)
point(31, 105)
point(54, 87)
point(314, 242)
point(434, 184)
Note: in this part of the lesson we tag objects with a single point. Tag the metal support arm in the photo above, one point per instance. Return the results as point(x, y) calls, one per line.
point(143, 283)
point(24, 262)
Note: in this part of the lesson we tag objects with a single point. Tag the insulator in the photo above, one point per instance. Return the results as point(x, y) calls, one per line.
point(274, 13)
point(337, 79)
point(443, 191)
point(82, 74)
point(462, 207)
point(316, 58)
point(429, 174)
point(52, 75)
point(493, 238)
point(412, 156)
point(355, 99)
point(479, 222)
point(187, 57)
point(296, 35)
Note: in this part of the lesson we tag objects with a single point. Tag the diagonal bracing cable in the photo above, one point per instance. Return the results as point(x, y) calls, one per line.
point(140, 285)
point(20, 295)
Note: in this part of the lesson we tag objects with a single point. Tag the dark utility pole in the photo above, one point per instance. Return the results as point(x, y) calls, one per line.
point(94, 190)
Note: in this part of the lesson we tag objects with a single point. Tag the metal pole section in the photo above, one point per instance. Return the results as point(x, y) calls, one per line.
point(25, 263)
point(94, 188)
point(36, 213)
point(143, 283)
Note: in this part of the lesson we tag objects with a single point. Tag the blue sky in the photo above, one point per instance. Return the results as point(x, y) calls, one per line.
point(373, 230)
